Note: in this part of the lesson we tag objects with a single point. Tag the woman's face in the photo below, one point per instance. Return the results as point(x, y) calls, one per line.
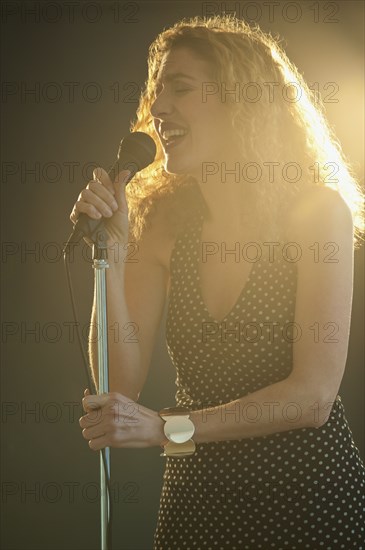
point(201, 121)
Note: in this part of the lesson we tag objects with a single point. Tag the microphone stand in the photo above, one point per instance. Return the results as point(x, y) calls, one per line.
point(100, 264)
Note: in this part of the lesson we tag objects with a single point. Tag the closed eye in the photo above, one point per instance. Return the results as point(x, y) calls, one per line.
point(181, 87)
point(182, 90)
point(175, 88)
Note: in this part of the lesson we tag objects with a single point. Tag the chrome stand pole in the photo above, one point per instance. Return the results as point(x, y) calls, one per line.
point(100, 255)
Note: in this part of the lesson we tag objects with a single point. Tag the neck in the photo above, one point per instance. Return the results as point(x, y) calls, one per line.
point(231, 205)
point(230, 198)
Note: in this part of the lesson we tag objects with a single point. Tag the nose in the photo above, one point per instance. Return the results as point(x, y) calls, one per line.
point(162, 105)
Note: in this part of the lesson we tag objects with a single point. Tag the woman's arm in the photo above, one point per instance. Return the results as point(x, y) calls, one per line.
point(323, 303)
point(136, 294)
point(136, 280)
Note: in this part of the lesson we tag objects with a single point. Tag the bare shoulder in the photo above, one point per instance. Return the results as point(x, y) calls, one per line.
point(317, 211)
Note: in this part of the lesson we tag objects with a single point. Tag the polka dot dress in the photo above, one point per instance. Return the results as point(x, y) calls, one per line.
point(299, 489)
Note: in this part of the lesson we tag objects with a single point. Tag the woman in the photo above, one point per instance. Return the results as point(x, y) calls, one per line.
point(241, 222)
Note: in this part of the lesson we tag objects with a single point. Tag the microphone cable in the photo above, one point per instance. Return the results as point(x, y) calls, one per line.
point(91, 384)
point(136, 151)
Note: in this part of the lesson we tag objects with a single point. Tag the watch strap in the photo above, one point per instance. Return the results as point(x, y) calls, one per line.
point(179, 449)
point(174, 448)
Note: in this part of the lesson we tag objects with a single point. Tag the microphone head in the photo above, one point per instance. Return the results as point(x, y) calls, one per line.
point(136, 151)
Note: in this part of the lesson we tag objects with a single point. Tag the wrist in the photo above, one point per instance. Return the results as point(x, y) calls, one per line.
point(117, 257)
point(205, 422)
point(160, 439)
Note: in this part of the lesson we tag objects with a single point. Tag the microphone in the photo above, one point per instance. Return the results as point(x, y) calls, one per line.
point(136, 151)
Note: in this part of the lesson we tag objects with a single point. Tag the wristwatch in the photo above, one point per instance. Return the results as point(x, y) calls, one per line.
point(179, 430)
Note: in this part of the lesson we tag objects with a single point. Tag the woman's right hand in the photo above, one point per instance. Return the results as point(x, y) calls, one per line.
point(103, 198)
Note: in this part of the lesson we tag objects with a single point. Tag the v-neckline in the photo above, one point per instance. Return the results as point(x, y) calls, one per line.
point(198, 278)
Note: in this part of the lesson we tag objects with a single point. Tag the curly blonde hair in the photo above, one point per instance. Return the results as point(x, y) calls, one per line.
point(288, 127)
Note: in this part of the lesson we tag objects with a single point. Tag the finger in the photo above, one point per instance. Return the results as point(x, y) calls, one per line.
point(100, 443)
point(86, 392)
point(95, 424)
point(82, 207)
point(94, 415)
point(90, 406)
point(92, 402)
point(101, 176)
point(99, 197)
point(94, 432)
point(91, 418)
point(88, 203)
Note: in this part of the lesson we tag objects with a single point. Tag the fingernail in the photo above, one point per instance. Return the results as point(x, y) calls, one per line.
point(123, 176)
point(97, 174)
point(128, 174)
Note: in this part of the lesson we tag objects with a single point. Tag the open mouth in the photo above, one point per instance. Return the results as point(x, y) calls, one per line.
point(173, 137)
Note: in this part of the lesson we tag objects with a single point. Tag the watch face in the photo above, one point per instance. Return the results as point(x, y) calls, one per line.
point(179, 429)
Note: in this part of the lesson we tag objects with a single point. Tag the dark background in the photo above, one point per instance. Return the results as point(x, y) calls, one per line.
point(44, 46)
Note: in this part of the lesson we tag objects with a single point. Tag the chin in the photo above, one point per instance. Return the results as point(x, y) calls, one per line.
point(180, 168)
point(176, 168)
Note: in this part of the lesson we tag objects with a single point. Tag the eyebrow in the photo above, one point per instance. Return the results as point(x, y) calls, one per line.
point(175, 76)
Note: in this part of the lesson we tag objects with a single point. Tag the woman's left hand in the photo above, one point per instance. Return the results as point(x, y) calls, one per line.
point(114, 420)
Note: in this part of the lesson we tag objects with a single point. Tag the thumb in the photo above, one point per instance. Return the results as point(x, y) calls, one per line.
point(123, 176)
point(119, 188)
